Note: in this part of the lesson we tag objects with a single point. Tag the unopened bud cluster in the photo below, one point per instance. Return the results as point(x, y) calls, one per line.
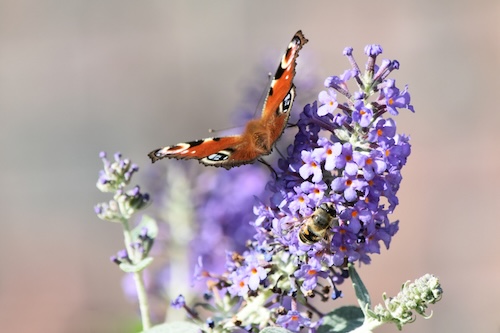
point(413, 297)
point(113, 178)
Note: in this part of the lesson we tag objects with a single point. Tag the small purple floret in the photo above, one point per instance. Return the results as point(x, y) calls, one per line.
point(179, 302)
point(373, 50)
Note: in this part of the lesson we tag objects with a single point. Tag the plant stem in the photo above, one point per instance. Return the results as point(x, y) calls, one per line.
point(143, 300)
point(142, 296)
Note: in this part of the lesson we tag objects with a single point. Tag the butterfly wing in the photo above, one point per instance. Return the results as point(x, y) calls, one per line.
point(226, 152)
point(260, 134)
point(277, 106)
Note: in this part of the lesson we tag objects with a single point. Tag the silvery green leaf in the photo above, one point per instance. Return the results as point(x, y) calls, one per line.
point(130, 268)
point(342, 320)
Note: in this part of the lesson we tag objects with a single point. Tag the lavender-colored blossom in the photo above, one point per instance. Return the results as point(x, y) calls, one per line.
point(293, 321)
point(329, 153)
point(311, 166)
point(393, 98)
point(239, 286)
point(362, 114)
point(300, 202)
point(316, 191)
point(309, 273)
point(329, 100)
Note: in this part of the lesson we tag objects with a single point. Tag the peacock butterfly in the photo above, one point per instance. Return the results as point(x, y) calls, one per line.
point(259, 135)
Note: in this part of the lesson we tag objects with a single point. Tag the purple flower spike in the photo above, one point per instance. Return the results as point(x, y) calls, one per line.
point(345, 155)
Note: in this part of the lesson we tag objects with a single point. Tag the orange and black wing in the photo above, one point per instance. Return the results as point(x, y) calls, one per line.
point(281, 95)
point(226, 152)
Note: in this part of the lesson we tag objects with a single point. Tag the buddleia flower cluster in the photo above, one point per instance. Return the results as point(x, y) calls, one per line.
point(346, 154)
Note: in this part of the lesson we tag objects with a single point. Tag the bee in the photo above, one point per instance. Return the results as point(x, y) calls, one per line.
point(316, 226)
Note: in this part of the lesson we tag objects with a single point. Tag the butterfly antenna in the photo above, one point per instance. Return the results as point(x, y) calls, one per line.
point(211, 130)
point(269, 167)
point(264, 94)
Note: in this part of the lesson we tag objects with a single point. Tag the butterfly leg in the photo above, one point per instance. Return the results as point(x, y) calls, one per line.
point(269, 167)
point(280, 153)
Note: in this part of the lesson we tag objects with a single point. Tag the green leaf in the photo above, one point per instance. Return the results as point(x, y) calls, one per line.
point(342, 320)
point(146, 222)
point(175, 327)
point(129, 268)
point(360, 289)
point(275, 330)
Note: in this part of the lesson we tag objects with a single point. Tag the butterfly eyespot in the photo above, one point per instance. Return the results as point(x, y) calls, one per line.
point(217, 157)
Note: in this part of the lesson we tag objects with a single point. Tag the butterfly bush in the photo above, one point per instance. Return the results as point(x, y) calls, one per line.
point(347, 153)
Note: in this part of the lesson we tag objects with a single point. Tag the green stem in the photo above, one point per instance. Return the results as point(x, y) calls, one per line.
point(143, 300)
point(142, 295)
point(368, 326)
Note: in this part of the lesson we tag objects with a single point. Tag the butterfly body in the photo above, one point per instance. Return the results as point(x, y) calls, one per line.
point(259, 135)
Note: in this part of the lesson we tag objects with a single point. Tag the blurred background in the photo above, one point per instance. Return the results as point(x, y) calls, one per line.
point(78, 77)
